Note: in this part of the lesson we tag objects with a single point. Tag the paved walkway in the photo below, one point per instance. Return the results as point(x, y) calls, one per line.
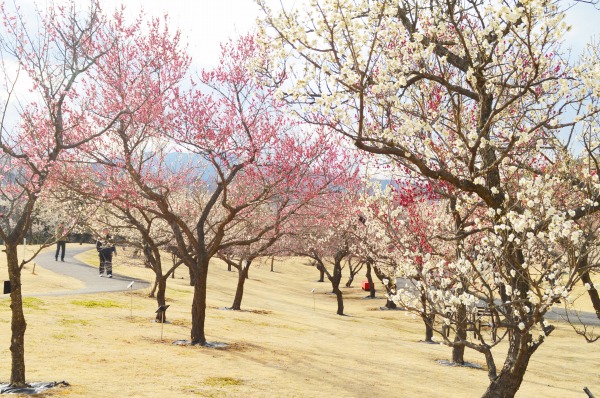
point(73, 268)
point(555, 314)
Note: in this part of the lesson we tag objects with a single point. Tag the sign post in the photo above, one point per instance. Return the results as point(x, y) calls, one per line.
point(130, 287)
point(162, 309)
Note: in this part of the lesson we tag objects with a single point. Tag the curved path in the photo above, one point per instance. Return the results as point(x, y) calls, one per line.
point(73, 268)
point(555, 314)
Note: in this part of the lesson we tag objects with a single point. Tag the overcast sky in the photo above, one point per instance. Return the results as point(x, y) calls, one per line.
point(207, 23)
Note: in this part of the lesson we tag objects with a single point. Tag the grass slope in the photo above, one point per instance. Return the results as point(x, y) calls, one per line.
point(287, 343)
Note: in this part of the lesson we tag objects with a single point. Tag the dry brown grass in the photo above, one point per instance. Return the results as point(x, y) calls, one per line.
point(280, 347)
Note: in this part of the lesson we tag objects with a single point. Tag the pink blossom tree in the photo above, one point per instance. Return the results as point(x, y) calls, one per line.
point(311, 173)
point(48, 75)
point(142, 74)
point(327, 236)
point(244, 169)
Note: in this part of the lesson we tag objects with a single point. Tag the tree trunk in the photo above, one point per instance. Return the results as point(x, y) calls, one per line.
point(350, 280)
point(428, 319)
point(154, 287)
point(582, 266)
point(192, 276)
point(199, 302)
point(340, 299)
point(272, 261)
point(507, 383)
point(370, 279)
point(18, 324)
point(321, 274)
point(239, 291)
point(335, 283)
point(160, 298)
point(458, 350)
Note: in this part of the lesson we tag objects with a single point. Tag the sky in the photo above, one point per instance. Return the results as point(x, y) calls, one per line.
point(204, 23)
point(207, 23)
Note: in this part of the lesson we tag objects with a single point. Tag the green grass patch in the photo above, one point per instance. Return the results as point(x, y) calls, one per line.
point(33, 303)
point(97, 303)
point(221, 382)
point(62, 336)
point(72, 322)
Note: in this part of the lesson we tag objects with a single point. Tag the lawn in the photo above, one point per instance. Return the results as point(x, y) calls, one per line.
point(288, 342)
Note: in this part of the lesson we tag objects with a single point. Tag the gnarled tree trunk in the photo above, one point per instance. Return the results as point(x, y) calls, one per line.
point(18, 324)
point(508, 381)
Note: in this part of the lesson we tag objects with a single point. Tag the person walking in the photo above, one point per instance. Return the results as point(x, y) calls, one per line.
point(106, 247)
point(61, 241)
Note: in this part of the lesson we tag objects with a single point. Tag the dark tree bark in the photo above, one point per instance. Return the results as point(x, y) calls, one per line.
point(321, 273)
point(582, 270)
point(154, 287)
point(508, 381)
point(192, 276)
point(335, 277)
point(18, 324)
point(370, 280)
point(160, 298)
point(239, 291)
point(199, 301)
point(428, 319)
point(350, 280)
point(353, 269)
point(390, 288)
point(389, 304)
point(340, 300)
point(592, 292)
point(458, 349)
point(335, 284)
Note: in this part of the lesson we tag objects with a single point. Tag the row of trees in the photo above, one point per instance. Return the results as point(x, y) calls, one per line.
point(470, 106)
point(475, 102)
point(116, 127)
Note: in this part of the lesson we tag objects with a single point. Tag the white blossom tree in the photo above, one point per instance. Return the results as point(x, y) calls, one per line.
point(476, 95)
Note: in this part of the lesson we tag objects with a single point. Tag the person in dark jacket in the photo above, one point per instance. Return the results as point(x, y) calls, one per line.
point(106, 247)
point(61, 241)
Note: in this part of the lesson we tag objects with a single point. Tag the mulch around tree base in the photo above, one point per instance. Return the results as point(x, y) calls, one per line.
point(446, 362)
point(429, 342)
point(34, 388)
point(207, 345)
